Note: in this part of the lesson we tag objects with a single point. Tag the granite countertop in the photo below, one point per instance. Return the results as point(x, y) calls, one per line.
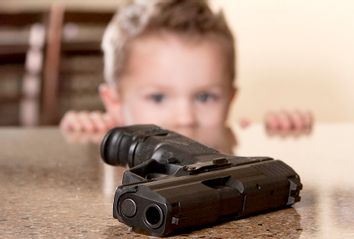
point(54, 188)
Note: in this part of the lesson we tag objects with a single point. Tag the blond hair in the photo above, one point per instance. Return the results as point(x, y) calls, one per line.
point(136, 18)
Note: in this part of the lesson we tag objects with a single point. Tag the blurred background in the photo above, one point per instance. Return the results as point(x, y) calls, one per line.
point(292, 54)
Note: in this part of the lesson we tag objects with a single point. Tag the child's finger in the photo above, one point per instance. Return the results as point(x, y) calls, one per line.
point(296, 121)
point(98, 121)
point(85, 122)
point(271, 122)
point(307, 119)
point(285, 122)
point(70, 122)
point(110, 122)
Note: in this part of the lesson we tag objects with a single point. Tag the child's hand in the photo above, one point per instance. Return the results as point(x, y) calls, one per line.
point(285, 123)
point(88, 122)
point(288, 122)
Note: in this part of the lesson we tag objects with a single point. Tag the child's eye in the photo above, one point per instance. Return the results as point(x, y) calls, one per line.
point(206, 97)
point(157, 98)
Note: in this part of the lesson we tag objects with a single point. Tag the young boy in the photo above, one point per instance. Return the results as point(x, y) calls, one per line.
point(170, 63)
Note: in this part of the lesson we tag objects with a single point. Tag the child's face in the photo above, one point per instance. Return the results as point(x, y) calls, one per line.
point(177, 84)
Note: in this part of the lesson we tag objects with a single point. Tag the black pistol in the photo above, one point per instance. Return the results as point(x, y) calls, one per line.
point(176, 183)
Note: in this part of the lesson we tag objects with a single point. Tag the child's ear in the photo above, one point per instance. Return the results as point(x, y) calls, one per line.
point(110, 99)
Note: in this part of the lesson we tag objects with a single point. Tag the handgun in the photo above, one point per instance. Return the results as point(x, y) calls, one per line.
point(175, 183)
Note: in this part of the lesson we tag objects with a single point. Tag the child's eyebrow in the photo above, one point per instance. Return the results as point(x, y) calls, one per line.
point(212, 86)
point(166, 89)
point(154, 88)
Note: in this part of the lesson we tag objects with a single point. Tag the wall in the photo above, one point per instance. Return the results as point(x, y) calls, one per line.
point(294, 54)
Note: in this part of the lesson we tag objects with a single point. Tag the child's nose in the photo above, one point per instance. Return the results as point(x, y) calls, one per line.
point(185, 115)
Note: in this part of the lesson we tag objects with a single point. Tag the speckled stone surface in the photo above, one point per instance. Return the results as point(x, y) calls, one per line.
point(51, 188)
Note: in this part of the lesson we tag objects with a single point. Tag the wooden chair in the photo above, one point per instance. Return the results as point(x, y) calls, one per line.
point(50, 62)
point(73, 66)
point(20, 76)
